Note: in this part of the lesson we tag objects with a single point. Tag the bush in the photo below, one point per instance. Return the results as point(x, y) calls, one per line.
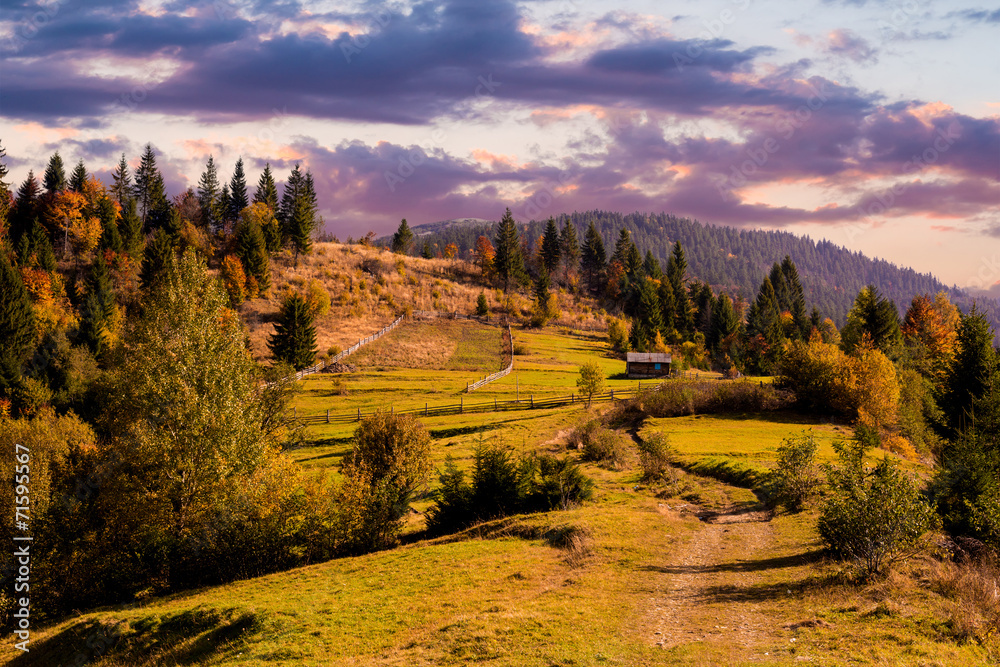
point(372, 266)
point(794, 480)
point(618, 334)
point(874, 518)
point(676, 398)
point(601, 445)
point(502, 485)
point(655, 456)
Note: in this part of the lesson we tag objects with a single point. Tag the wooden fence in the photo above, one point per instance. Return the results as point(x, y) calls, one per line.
point(499, 374)
point(487, 406)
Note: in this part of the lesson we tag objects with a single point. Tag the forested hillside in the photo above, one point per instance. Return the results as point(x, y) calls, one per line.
point(736, 260)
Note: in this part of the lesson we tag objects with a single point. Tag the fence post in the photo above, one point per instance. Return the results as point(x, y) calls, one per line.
point(461, 404)
point(612, 394)
point(532, 398)
point(494, 404)
point(359, 414)
point(328, 415)
point(425, 409)
point(294, 413)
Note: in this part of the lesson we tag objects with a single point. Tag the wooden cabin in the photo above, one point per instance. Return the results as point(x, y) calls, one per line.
point(647, 364)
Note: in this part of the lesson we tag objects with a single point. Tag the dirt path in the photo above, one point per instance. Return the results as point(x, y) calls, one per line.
point(705, 594)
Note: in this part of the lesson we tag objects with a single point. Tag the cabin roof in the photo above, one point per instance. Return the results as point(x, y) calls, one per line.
point(648, 357)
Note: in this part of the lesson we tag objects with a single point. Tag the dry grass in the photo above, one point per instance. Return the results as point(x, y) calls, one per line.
point(369, 287)
point(974, 594)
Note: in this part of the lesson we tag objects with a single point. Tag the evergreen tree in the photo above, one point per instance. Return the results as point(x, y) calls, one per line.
point(131, 228)
point(110, 237)
point(482, 306)
point(569, 246)
point(551, 247)
point(55, 175)
point(402, 239)
point(26, 207)
point(121, 186)
point(668, 308)
point(703, 301)
point(78, 178)
point(224, 207)
point(426, 253)
point(724, 323)
point(17, 326)
point(41, 247)
point(294, 337)
point(156, 260)
point(267, 191)
point(238, 199)
point(971, 371)
point(633, 264)
point(252, 251)
point(677, 274)
point(303, 220)
point(765, 344)
point(622, 246)
point(651, 266)
point(509, 262)
point(543, 298)
point(291, 194)
point(5, 194)
point(876, 317)
point(150, 193)
point(796, 298)
point(208, 195)
point(649, 318)
point(593, 259)
point(98, 308)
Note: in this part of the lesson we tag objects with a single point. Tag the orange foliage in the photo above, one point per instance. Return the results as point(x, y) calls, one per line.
point(450, 251)
point(932, 328)
point(234, 279)
point(485, 254)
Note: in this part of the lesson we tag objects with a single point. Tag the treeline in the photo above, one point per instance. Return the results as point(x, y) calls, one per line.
point(732, 260)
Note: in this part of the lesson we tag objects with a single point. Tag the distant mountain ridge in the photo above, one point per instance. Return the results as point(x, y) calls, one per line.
point(736, 261)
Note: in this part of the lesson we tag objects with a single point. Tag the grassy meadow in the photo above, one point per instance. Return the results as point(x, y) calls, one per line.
point(644, 574)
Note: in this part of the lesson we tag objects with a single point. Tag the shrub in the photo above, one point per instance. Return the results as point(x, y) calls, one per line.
point(520, 349)
point(795, 478)
point(482, 307)
point(591, 380)
point(618, 334)
point(655, 456)
point(676, 398)
point(874, 518)
point(503, 484)
point(601, 445)
point(372, 266)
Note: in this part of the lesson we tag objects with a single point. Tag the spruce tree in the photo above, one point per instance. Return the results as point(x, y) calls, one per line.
point(150, 193)
point(156, 260)
point(55, 175)
point(289, 196)
point(622, 245)
point(5, 194)
point(724, 324)
point(121, 186)
point(765, 345)
point(543, 297)
point(251, 248)
point(874, 316)
point(668, 308)
point(569, 246)
point(78, 178)
point(131, 228)
point(41, 247)
point(593, 259)
point(238, 199)
point(509, 261)
point(633, 264)
point(267, 191)
point(677, 274)
point(98, 308)
point(26, 207)
point(649, 317)
point(402, 239)
point(651, 266)
point(426, 253)
point(17, 325)
point(223, 206)
point(551, 246)
point(294, 337)
point(970, 373)
point(110, 237)
point(208, 196)
point(303, 220)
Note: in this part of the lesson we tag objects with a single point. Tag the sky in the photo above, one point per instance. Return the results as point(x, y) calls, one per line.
point(872, 123)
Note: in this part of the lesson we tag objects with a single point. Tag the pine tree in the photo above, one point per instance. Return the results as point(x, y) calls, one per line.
point(156, 260)
point(677, 274)
point(26, 207)
point(78, 178)
point(402, 239)
point(482, 306)
point(267, 191)
point(121, 186)
point(294, 337)
point(765, 345)
point(41, 247)
point(55, 175)
point(649, 317)
point(622, 245)
point(17, 325)
point(110, 237)
point(551, 246)
point(208, 196)
point(651, 266)
point(593, 259)
point(5, 194)
point(633, 264)
point(150, 194)
point(543, 298)
point(668, 308)
point(509, 262)
point(289, 196)
point(724, 323)
point(971, 371)
point(876, 317)
point(303, 220)
point(426, 253)
point(98, 308)
point(223, 206)
point(131, 228)
point(238, 199)
point(569, 246)
point(251, 248)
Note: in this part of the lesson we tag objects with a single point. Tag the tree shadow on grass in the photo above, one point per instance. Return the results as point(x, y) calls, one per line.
point(778, 562)
point(186, 638)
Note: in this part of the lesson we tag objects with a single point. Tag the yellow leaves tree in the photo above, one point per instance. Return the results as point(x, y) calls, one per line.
point(484, 257)
point(68, 214)
point(869, 387)
point(930, 329)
